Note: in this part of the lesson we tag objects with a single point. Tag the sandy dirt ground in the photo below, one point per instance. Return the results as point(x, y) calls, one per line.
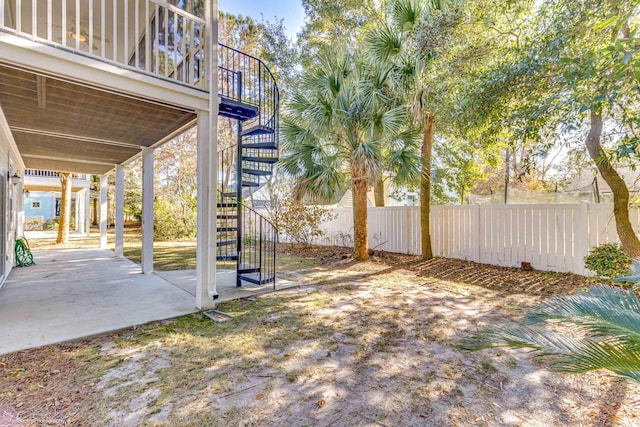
point(357, 344)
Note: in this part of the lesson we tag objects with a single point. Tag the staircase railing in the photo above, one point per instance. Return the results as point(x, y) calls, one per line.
point(249, 94)
point(258, 85)
point(257, 254)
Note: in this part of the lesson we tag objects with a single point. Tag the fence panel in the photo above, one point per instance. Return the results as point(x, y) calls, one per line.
point(550, 237)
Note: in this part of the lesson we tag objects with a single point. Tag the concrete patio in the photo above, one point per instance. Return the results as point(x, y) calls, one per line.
point(75, 293)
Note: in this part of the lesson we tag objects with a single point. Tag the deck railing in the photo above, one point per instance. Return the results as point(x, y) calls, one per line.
point(38, 173)
point(152, 36)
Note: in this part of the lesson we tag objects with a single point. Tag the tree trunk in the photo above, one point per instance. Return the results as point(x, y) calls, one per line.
point(618, 187)
point(378, 191)
point(506, 175)
point(359, 187)
point(425, 187)
point(65, 208)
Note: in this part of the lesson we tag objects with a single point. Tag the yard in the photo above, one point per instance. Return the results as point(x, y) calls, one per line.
point(367, 343)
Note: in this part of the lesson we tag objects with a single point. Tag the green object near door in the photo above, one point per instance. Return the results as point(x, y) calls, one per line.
point(24, 257)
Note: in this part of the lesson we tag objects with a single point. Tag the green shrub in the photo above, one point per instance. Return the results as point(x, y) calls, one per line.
point(608, 260)
point(174, 220)
point(301, 223)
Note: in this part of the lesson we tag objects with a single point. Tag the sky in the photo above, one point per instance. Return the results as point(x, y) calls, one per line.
point(290, 10)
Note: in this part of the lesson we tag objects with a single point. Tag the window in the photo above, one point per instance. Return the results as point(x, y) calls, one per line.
point(35, 205)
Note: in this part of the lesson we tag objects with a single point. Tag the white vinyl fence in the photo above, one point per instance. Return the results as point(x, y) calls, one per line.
point(550, 237)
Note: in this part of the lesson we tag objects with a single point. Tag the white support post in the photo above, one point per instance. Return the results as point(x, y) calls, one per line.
point(206, 231)
point(207, 169)
point(87, 212)
point(119, 210)
point(76, 215)
point(103, 212)
point(147, 210)
point(80, 195)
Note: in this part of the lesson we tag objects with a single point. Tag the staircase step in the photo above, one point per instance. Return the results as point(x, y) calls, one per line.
point(249, 270)
point(227, 205)
point(227, 216)
point(256, 172)
point(229, 194)
point(259, 159)
point(255, 278)
point(237, 110)
point(226, 229)
point(226, 257)
point(250, 184)
point(257, 130)
point(257, 145)
point(226, 242)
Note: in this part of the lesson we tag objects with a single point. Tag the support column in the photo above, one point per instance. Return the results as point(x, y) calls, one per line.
point(207, 169)
point(103, 211)
point(119, 210)
point(147, 210)
point(87, 211)
point(80, 211)
point(206, 231)
point(76, 216)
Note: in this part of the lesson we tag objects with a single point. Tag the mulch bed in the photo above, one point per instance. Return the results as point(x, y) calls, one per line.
point(504, 279)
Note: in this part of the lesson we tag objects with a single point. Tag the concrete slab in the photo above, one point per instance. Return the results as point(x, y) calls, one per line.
point(225, 284)
point(74, 293)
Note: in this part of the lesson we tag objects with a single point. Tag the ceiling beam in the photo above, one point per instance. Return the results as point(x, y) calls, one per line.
point(75, 137)
point(66, 159)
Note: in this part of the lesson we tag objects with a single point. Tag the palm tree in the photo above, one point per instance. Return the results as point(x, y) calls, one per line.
point(336, 129)
point(395, 43)
point(607, 317)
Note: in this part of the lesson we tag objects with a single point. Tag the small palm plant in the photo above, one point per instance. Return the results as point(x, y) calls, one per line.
point(602, 332)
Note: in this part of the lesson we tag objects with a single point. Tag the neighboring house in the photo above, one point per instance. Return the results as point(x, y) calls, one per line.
point(42, 199)
point(593, 187)
point(87, 86)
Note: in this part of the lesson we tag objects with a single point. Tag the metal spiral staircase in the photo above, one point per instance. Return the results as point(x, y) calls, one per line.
point(248, 94)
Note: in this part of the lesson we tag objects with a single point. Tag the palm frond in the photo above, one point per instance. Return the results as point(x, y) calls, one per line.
point(604, 311)
point(406, 13)
point(606, 316)
point(384, 43)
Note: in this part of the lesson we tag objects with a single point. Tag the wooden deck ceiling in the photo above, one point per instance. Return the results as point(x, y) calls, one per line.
point(66, 127)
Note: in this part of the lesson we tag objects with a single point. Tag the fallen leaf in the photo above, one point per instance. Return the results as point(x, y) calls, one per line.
point(320, 403)
point(286, 356)
point(259, 396)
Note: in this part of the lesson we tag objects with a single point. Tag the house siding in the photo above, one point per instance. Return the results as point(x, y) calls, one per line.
point(46, 210)
point(11, 200)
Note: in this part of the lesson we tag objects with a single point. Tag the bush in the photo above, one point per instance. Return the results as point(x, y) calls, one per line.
point(50, 224)
point(301, 223)
point(33, 224)
point(608, 260)
point(173, 221)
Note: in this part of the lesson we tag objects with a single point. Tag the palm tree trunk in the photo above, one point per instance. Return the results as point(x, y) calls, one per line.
point(359, 187)
point(620, 191)
point(425, 187)
point(65, 208)
point(378, 191)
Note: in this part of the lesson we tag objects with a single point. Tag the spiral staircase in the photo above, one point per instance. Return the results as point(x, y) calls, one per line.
point(249, 95)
